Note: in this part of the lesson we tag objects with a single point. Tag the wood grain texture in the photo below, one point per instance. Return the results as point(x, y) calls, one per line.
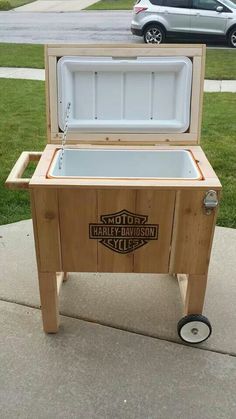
point(109, 202)
point(49, 301)
point(159, 206)
point(78, 208)
point(47, 94)
point(35, 228)
point(15, 180)
point(52, 86)
point(120, 138)
point(183, 283)
point(47, 234)
point(192, 234)
point(125, 50)
point(195, 294)
point(196, 103)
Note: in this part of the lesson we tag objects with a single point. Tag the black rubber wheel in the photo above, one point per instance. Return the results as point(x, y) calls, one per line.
point(232, 38)
point(194, 328)
point(153, 34)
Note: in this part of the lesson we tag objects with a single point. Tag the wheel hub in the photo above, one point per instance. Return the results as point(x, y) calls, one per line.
point(233, 39)
point(154, 36)
point(194, 328)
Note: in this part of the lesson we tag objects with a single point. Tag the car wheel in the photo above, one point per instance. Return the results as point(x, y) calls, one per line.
point(153, 34)
point(232, 38)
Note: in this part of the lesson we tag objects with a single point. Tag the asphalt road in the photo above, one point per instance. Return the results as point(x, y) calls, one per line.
point(82, 26)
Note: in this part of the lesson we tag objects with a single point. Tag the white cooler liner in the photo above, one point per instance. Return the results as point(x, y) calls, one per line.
point(147, 94)
point(129, 164)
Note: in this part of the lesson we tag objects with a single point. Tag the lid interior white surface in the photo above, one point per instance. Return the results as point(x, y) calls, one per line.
point(145, 94)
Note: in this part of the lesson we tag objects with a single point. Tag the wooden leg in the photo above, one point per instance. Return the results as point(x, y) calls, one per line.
point(48, 289)
point(193, 289)
point(61, 277)
point(65, 277)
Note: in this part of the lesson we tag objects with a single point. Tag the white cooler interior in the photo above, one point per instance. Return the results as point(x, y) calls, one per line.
point(143, 94)
point(112, 164)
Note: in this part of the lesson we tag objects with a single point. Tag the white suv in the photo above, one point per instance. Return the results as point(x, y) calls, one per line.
point(157, 19)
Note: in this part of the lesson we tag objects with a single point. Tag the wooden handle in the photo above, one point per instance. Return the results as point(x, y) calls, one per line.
point(14, 180)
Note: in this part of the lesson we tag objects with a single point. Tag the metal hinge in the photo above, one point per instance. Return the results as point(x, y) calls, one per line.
point(210, 201)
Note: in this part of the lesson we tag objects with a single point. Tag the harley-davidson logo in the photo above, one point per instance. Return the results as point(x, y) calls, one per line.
point(123, 231)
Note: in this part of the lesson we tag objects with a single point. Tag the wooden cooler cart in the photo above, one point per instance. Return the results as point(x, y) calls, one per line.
point(123, 185)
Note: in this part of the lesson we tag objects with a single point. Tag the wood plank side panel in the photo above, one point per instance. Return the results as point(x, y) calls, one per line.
point(52, 88)
point(109, 202)
point(197, 96)
point(192, 235)
point(129, 50)
point(125, 138)
point(46, 228)
point(78, 208)
point(159, 207)
point(35, 228)
point(47, 95)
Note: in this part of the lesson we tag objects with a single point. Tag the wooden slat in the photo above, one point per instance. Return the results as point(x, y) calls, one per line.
point(117, 45)
point(47, 227)
point(15, 179)
point(192, 234)
point(126, 50)
point(203, 63)
point(192, 290)
point(44, 163)
point(183, 283)
point(109, 202)
point(47, 94)
point(49, 301)
point(35, 228)
point(197, 97)
point(195, 294)
point(60, 279)
point(119, 138)
point(39, 182)
point(52, 86)
point(159, 206)
point(78, 208)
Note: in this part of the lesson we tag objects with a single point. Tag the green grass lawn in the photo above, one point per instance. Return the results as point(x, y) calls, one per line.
point(21, 55)
point(22, 110)
point(112, 5)
point(12, 4)
point(219, 143)
point(23, 127)
point(220, 64)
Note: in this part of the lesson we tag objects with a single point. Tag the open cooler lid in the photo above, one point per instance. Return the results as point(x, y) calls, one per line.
point(125, 93)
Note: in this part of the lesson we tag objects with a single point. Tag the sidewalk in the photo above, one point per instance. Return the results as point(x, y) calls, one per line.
point(37, 74)
point(56, 6)
point(117, 353)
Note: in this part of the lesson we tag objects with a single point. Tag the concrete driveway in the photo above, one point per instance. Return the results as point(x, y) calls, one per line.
point(117, 354)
